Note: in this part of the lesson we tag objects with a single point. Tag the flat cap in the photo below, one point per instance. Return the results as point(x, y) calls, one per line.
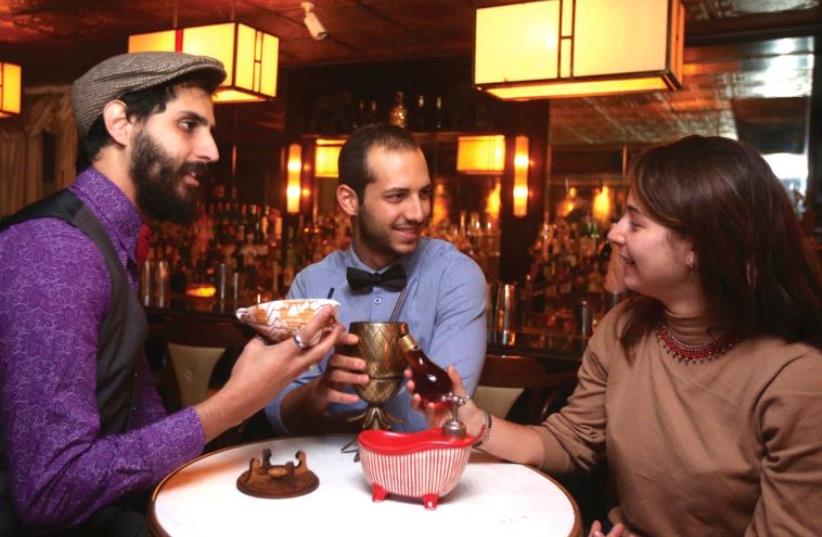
point(125, 73)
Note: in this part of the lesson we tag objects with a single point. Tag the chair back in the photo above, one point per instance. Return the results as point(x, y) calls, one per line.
point(195, 345)
point(506, 378)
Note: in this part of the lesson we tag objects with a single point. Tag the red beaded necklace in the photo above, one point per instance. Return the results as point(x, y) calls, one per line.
point(693, 353)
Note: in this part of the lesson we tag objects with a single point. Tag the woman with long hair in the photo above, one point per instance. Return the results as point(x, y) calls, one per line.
point(703, 390)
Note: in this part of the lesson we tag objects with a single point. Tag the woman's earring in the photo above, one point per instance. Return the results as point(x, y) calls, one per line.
point(691, 267)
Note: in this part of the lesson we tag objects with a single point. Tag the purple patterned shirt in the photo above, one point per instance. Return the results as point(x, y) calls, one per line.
point(54, 294)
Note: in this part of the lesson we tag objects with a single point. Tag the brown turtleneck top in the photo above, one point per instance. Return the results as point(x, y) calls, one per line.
point(726, 447)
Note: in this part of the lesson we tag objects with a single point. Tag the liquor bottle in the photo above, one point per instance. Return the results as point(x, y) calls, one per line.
point(290, 266)
point(437, 123)
point(431, 381)
point(264, 223)
point(565, 281)
point(418, 115)
point(359, 118)
point(371, 114)
point(549, 272)
point(588, 238)
point(398, 115)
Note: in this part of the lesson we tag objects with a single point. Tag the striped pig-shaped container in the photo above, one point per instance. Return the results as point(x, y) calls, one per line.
point(425, 465)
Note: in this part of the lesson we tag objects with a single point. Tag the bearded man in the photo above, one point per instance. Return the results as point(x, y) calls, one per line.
point(385, 189)
point(83, 434)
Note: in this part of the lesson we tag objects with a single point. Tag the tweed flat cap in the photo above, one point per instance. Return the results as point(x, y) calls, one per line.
point(116, 76)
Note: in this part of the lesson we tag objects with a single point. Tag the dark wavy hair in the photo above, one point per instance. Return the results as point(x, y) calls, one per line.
point(141, 104)
point(756, 267)
point(353, 161)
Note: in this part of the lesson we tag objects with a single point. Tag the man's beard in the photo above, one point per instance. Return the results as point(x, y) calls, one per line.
point(158, 181)
point(377, 239)
point(371, 236)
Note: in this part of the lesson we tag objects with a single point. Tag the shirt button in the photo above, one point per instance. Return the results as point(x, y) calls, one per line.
point(377, 301)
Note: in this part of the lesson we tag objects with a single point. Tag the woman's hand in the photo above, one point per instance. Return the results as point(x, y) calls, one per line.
point(596, 530)
point(436, 415)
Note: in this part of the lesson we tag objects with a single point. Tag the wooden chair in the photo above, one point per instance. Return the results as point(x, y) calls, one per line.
point(505, 379)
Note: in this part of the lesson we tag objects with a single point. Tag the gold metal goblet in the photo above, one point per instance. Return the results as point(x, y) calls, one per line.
point(379, 347)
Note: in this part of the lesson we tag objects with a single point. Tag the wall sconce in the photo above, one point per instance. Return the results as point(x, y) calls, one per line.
point(570, 202)
point(571, 48)
point(293, 188)
point(601, 207)
point(492, 204)
point(481, 154)
point(11, 88)
point(521, 164)
point(312, 22)
point(326, 157)
point(249, 55)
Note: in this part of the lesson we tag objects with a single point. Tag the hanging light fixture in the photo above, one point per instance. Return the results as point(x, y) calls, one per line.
point(11, 88)
point(571, 48)
point(326, 156)
point(521, 165)
point(249, 55)
point(481, 154)
point(293, 190)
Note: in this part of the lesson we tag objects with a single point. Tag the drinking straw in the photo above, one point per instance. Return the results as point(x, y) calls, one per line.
point(398, 306)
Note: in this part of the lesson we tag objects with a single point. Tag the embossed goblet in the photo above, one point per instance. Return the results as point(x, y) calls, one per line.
point(379, 347)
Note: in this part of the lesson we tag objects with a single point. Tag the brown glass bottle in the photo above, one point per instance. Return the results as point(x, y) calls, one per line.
point(431, 381)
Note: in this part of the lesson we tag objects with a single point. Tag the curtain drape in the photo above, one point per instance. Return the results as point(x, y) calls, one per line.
point(45, 110)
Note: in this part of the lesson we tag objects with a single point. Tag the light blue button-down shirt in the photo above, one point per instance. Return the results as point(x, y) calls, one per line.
point(444, 309)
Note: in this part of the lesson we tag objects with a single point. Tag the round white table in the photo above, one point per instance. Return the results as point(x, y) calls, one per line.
point(492, 498)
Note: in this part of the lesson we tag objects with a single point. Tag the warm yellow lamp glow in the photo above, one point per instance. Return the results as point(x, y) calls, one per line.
point(249, 56)
point(326, 155)
point(11, 88)
point(602, 205)
point(569, 203)
point(439, 211)
point(492, 206)
point(293, 188)
point(481, 154)
point(521, 176)
point(201, 290)
point(570, 48)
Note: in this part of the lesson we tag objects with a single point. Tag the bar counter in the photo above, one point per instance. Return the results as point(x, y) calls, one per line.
point(556, 352)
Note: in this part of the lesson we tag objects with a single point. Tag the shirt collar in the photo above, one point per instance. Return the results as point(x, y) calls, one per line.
point(111, 206)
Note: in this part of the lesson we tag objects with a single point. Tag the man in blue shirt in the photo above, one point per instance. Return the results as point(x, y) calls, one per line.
point(385, 188)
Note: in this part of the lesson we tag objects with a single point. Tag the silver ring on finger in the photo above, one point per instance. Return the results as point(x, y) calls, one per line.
point(299, 341)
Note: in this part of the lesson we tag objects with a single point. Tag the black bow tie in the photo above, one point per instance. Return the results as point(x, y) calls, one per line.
point(393, 279)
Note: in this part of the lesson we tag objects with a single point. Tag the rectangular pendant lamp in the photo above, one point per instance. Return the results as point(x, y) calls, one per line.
point(249, 55)
point(484, 154)
point(326, 156)
point(573, 48)
point(11, 88)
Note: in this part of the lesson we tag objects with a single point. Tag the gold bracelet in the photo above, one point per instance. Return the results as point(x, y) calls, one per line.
point(485, 432)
